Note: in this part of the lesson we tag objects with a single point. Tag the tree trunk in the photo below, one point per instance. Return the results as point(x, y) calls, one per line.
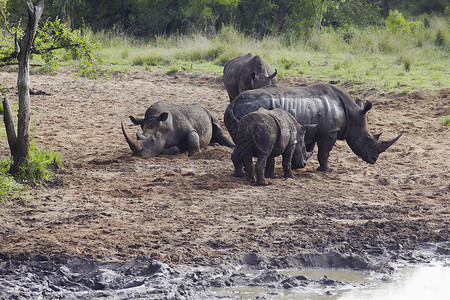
point(387, 7)
point(20, 149)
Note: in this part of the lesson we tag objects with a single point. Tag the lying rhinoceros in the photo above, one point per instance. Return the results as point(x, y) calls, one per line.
point(172, 129)
point(336, 114)
point(247, 72)
point(266, 134)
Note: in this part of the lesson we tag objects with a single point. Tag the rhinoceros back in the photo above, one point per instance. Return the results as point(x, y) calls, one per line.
point(309, 105)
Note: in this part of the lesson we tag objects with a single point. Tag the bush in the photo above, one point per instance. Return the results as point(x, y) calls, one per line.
point(396, 23)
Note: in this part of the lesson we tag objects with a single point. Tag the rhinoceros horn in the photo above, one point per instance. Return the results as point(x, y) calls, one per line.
point(135, 146)
point(382, 146)
point(270, 77)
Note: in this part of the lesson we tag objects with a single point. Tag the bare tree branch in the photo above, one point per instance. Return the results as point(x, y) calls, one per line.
point(9, 125)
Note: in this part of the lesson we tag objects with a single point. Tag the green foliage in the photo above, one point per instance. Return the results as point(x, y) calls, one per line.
point(259, 18)
point(55, 35)
point(39, 166)
point(396, 23)
point(3, 89)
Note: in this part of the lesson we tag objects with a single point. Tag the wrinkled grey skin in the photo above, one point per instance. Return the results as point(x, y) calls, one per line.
point(173, 129)
point(247, 72)
point(336, 114)
point(266, 134)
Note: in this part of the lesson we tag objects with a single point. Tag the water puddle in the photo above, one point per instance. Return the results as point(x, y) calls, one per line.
point(423, 282)
point(418, 282)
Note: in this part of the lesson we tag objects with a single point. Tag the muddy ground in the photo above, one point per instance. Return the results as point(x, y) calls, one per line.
point(191, 211)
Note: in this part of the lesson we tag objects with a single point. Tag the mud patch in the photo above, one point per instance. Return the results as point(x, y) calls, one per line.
point(66, 277)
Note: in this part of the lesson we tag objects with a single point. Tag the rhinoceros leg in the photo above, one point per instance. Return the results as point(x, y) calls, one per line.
point(260, 167)
point(249, 169)
point(270, 168)
point(287, 160)
point(324, 145)
point(193, 140)
point(237, 162)
point(174, 150)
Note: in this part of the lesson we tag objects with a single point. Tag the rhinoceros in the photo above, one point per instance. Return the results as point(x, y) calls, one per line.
point(173, 129)
point(336, 114)
point(266, 134)
point(247, 72)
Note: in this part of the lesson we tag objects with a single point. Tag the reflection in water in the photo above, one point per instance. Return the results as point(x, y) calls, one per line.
point(420, 282)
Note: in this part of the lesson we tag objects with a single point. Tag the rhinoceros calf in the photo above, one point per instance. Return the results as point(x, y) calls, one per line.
point(336, 114)
point(247, 72)
point(173, 129)
point(266, 134)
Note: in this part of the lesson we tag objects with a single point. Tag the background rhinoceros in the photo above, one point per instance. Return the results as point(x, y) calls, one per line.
point(247, 72)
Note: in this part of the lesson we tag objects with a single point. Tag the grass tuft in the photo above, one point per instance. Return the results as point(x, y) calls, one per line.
point(446, 121)
point(172, 70)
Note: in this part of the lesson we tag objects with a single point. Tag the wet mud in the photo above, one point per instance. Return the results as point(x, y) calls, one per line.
point(66, 277)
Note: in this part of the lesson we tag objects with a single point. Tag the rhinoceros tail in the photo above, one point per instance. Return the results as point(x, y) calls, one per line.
point(218, 135)
point(231, 122)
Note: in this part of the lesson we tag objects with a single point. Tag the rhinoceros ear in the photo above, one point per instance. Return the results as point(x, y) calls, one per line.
point(376, 137)
point(359, 102)
point(163, 116)
point(367, 107)
point(136, 121)
point(270, 77)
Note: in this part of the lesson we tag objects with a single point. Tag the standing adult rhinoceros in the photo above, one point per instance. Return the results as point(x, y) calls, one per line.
point(172, 129)
point(336, 114)
point(247, 72)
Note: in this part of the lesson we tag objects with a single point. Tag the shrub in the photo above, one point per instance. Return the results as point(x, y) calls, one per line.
point(396, 23)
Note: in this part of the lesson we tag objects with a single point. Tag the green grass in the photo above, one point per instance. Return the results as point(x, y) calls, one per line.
point(40, 166)
point(378, 56)
point(7, 183)
point(446, 121)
